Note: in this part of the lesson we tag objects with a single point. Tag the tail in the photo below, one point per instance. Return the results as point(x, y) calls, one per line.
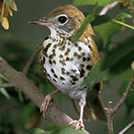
point(94, 108)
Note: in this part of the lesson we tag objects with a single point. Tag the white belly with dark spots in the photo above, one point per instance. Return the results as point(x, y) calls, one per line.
point(66, 67)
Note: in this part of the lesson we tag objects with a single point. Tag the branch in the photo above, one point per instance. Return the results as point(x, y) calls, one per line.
point(6, 85)
point(34, 93)
point(109, 117)
point(124, 97)
point(131, 9)
point(130, 125)
point(107, 8)
point(26, 68)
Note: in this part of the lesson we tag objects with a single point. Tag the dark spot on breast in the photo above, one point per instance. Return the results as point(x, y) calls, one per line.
point(68, 73)
point(79, 56)
point(54, 62)
point(88, 59)
point(67, 51)
point(69, 43)
point(79, 48)
point(90, 47)
point(67, 59)
point(52, 70)
point(54, 80)
point(44, 70)
point(82, 53)
point(76, 44)
point(46, 38)
point(62, 48)
point(81, 65)
point(55, 76)
point(63, 70)
point(73, 70)
point(82, 72)
point(72, 82)
point(61, 56)
point(73, 78)
point(88, 67)
point(55, 46)
point(48, 75)
point(42, 60)
point(75, 54)
point(50, 62)
point(62, 62)
point(62, 78)
point(81, 89)
point(84, 59)
point(46, 48)
point(51, 56)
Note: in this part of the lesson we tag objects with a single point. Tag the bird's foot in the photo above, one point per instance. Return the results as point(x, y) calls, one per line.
point(45, 104)
point(78, 124)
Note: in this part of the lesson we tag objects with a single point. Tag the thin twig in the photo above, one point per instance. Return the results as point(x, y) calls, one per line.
point(109, 118)
point(131, 9)
point(107, 8)
point(7, 85)
point(26, 68)
point(124, 97)
point(130, 125)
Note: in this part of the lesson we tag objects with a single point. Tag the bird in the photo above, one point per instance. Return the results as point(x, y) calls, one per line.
point(65, 64)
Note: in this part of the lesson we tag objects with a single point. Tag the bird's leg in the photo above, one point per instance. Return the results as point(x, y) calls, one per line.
point(79, 123)
point(46, 102)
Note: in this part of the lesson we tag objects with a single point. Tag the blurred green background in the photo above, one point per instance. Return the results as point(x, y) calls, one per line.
point(18, 114)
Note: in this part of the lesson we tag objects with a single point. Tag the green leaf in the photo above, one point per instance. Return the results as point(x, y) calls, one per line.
point(12, 4)
point(4, 36)
point(59, 130)
point(89, 19)
point(66, 130)
point(122, 16)
point(100, 20)
point(93, 2)
point(125, 75)
point(120, 19)
point(37, 131)
point(107, 31)
point(20, 95)
point(112, 27)
point(4, 78)
point(4, 92)
point(119, 59)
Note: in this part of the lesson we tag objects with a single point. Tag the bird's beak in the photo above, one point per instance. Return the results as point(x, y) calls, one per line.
point(41, 22)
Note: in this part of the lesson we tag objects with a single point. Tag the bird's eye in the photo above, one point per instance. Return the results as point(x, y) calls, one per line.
point(62, 19)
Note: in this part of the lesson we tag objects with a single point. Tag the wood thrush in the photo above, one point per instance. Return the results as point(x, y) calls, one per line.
point(65, 64)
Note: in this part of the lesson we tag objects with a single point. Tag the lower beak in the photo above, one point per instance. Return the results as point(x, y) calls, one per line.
point(41, 22)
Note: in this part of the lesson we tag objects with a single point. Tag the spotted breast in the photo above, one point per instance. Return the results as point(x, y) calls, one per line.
point(66, 64)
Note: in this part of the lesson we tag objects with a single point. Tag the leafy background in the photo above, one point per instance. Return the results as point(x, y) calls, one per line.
point(116, 47)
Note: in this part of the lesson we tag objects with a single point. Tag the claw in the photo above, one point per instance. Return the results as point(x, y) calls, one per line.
point(45, 104)
point(78, 125)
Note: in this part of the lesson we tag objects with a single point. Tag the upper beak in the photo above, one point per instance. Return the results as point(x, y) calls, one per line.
point(41, 22)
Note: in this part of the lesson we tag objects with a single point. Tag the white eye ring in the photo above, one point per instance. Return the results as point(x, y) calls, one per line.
point(62, 19)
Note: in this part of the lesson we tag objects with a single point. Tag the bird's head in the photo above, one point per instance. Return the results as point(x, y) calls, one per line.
point(65, 20)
